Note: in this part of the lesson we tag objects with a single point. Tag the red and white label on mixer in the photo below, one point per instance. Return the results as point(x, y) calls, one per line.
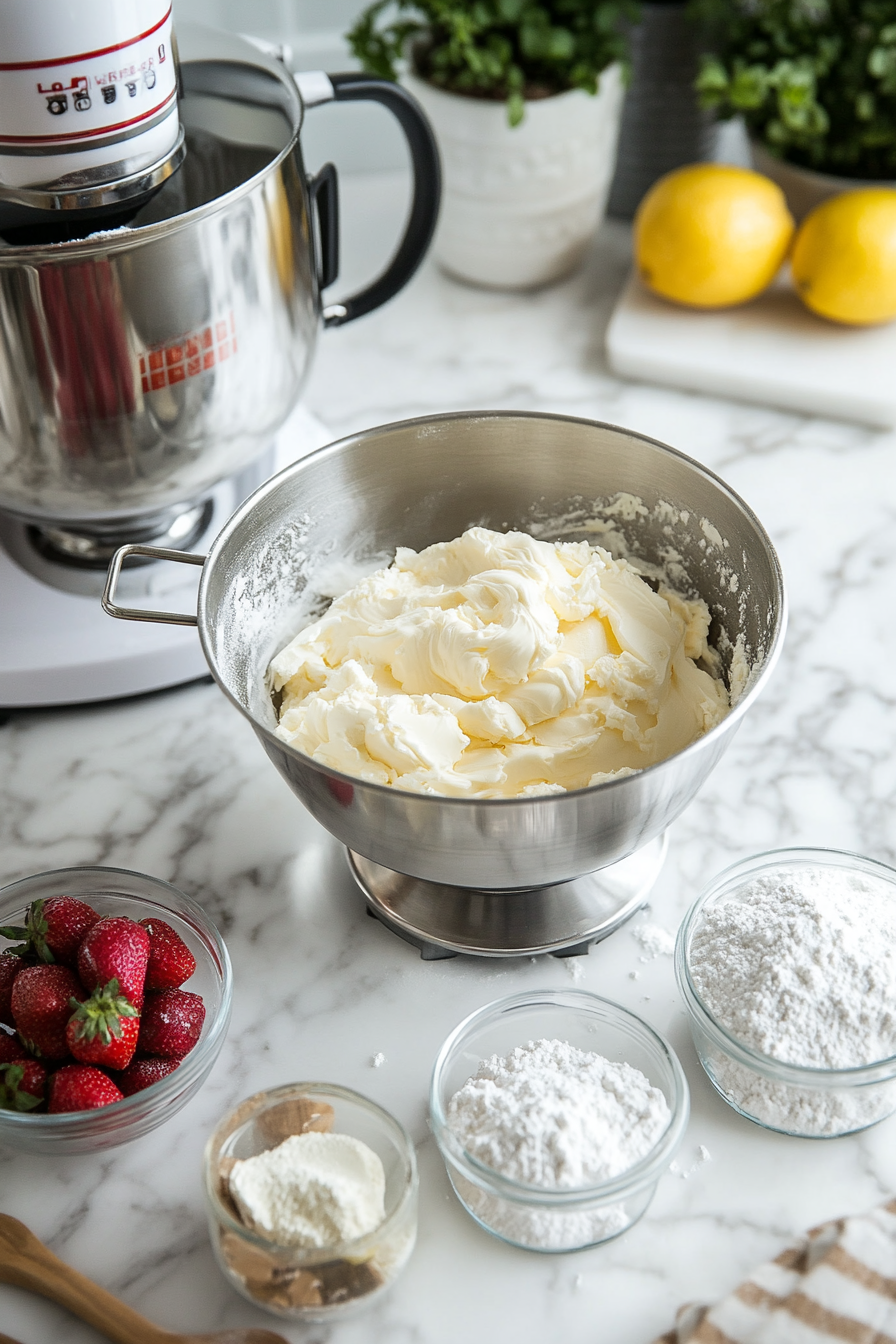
point(74, 102)
point(166, 365)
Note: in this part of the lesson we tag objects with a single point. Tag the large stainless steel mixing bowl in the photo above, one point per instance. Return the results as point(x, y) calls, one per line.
point(422, 481)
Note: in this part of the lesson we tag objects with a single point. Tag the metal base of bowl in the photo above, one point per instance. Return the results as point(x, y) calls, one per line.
point(565, 919)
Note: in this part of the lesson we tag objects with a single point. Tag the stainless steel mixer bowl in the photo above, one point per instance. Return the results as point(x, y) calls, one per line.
point(142, 365)
point(422, 481)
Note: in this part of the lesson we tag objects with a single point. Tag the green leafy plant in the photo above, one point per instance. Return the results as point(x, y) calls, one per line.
point(511, 50)
point(815, 80)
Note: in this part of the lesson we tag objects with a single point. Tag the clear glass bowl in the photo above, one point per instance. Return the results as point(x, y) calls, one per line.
point(533, 1217)
point(115, 891)
point(311, 1285)
point(809, 1103)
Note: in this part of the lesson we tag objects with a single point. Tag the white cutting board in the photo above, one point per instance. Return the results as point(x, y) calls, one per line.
point(773, 351)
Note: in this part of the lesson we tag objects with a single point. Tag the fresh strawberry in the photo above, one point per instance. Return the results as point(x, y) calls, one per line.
point(41, 1007)
point(11, 1049)
point(170, 960)
point(80, 1087)
point(116, 948)
point(10, 965)
point(171, 1023)
point(103, 1029)
point(22, 1085)
point(54, 929)
point(143, 1073)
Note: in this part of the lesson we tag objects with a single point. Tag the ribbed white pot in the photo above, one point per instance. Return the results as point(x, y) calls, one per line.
point(521, 204)
point(803, 188)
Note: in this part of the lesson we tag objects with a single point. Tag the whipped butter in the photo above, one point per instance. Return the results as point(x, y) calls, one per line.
point(497, 665)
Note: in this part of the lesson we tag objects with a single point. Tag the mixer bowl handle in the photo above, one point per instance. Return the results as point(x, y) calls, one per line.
point(135, 613)
point(316, 88)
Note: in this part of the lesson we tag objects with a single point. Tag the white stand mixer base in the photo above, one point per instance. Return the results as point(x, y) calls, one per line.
point(565, 919)
point(59, 648)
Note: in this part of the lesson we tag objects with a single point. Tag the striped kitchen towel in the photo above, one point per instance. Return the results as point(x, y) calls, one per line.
point(837, 1283)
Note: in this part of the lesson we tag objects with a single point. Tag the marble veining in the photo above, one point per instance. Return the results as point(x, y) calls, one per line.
point(175, 784)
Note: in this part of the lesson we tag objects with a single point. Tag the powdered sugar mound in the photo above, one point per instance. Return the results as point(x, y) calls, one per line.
point(551, 1115)
point(655, 940)
point(801, 965)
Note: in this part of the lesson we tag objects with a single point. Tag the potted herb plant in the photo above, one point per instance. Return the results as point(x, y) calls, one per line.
point(525, 99)
point(815, 81)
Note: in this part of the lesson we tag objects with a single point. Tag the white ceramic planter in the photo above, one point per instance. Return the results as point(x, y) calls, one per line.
point(803, 188)
point(520, 204)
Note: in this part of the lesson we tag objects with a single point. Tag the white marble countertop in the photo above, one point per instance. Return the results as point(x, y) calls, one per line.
point(176, 785)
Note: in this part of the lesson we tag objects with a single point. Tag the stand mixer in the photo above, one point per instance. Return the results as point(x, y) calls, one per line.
point(161, 279)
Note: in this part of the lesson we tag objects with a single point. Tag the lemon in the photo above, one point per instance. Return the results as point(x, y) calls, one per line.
point(711, 235)
point(844, 257)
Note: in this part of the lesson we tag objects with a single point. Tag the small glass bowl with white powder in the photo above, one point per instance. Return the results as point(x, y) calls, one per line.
point(556, 1113)
point(787, 966)
point(311, 1195)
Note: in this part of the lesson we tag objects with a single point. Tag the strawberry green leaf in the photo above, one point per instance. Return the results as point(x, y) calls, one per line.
point(101, 1014)
point(12, 1097)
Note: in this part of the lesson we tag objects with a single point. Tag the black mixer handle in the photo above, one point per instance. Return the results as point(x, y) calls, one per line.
point(356, 87)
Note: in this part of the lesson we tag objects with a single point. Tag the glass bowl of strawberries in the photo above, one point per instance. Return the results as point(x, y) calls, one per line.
point(115, 996)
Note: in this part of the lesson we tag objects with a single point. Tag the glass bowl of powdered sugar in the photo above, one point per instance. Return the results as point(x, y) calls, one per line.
point(787, 965)
point(311, 1194)
point(556, 1113)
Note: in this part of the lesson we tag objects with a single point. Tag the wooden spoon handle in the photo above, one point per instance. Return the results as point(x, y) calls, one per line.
point(27, 1263)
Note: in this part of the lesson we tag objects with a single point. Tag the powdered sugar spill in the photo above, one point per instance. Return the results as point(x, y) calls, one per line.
point(685, 1173)
point(655, 940)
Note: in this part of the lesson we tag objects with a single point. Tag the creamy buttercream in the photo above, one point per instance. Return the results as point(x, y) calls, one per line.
point(497, 666)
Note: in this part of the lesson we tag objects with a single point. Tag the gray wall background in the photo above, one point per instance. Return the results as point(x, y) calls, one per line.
point(313, 28)
point(359, 138)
